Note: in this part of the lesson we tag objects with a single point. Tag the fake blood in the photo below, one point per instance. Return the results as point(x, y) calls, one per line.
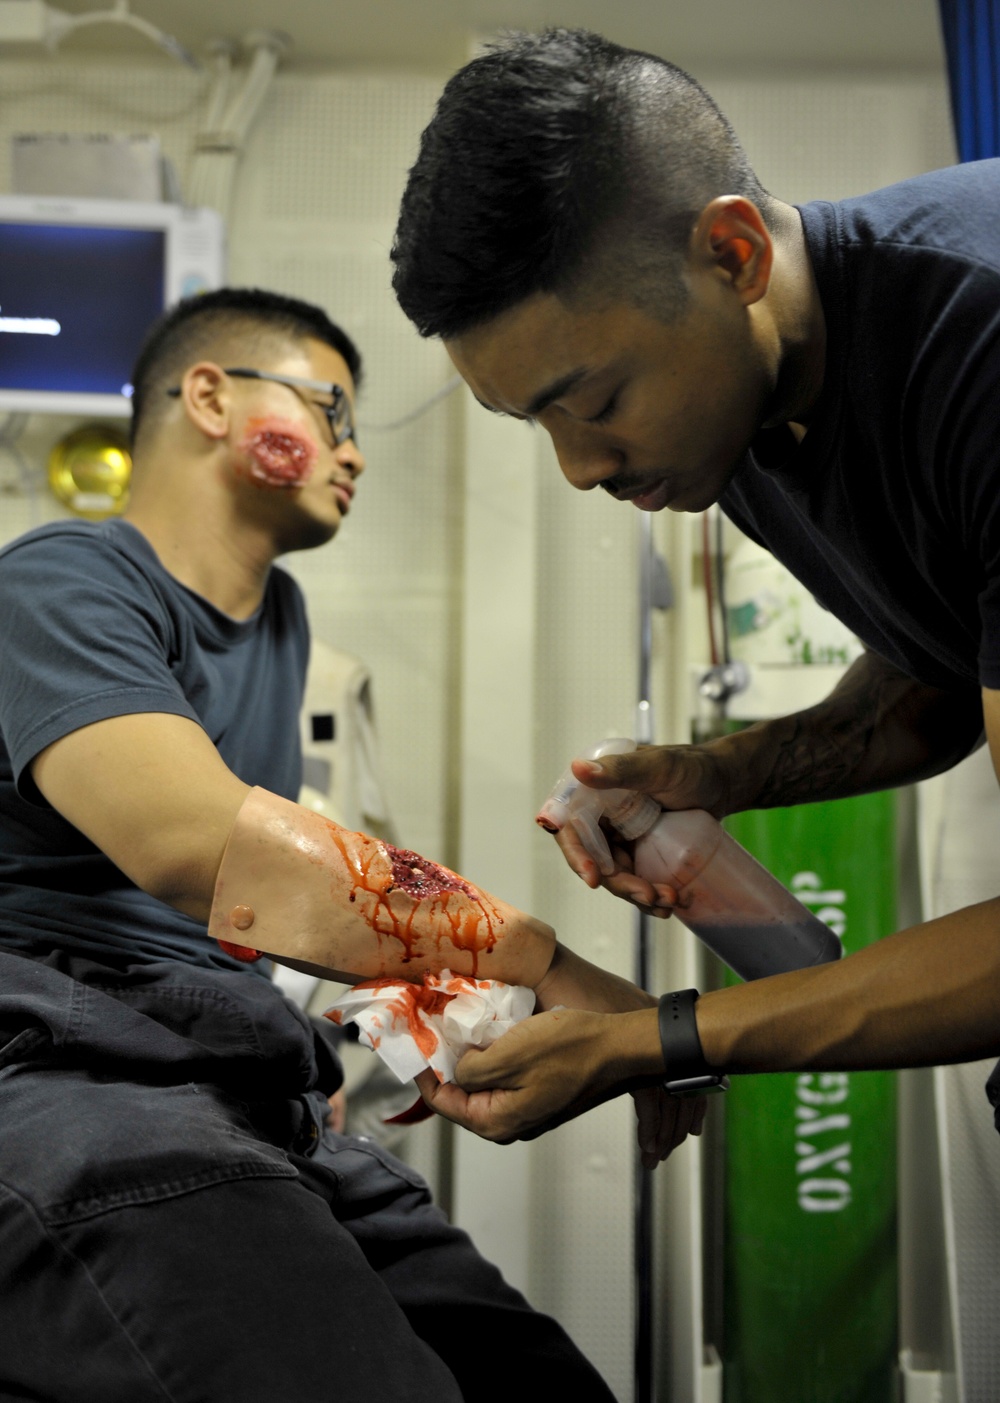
point(442, 905)
point(278, 452)
point(416, 999)
point(240, 952)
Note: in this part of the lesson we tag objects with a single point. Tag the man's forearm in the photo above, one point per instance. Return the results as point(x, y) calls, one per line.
point(923, 997)
point(877, 729)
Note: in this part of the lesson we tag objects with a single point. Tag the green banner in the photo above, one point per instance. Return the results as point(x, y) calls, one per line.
point(810, 1212)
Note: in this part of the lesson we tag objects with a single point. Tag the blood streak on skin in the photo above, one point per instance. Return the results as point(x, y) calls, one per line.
point(444, 905)
point(278, 452)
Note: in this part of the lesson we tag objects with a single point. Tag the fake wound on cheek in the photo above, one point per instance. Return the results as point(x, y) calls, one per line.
point(277, 452)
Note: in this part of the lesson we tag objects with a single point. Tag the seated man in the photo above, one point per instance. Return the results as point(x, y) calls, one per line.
point(176, 1218)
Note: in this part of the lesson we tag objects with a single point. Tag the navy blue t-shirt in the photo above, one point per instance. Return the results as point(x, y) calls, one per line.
point(92, 626)
point(889, 509)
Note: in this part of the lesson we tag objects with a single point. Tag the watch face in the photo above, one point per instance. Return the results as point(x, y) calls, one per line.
point(697, 1086)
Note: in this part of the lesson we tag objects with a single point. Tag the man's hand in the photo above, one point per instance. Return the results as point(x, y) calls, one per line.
point(337, 1115)
point(572, 983)
point(665, 1122)
point(653, 898)
point(546, 1070)
point(551, 1068)
point(877, 729)
point(677, 777)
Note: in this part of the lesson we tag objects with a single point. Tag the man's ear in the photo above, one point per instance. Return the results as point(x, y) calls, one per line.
point(206, 397)
point(731, 236)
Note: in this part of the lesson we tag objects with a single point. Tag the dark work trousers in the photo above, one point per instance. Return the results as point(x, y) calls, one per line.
point(176, 1224)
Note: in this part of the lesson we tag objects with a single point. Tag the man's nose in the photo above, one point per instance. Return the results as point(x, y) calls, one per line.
point(349, 456)
point(585, 457)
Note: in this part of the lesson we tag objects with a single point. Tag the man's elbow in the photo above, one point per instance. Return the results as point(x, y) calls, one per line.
point(180, 877)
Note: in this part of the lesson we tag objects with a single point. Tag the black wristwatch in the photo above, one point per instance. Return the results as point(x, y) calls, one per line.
point(689, 1074)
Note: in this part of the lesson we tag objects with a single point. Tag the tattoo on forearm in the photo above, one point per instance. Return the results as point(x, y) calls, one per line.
point(879, 728)
point(816, 764)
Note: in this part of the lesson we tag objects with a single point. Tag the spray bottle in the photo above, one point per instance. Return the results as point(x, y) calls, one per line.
point(724, 895)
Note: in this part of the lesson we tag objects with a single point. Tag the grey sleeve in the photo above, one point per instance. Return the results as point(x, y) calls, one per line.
point(83, 637)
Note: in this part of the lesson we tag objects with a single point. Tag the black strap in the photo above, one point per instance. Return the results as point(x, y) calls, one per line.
point(683, 1056)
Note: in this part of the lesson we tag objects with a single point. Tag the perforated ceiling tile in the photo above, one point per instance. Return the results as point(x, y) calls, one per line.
point(363, 134)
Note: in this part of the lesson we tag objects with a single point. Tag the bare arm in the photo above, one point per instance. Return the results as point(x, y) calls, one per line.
point(877, 729)
point(924, 996)
point(153, 793)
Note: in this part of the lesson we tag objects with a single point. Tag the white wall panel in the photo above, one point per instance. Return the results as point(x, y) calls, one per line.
point(835, 136)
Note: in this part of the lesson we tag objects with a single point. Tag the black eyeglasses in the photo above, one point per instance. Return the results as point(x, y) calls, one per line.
point(337, 413)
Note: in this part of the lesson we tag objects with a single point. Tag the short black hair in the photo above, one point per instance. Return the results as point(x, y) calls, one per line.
point(560, 162)
point(240, 321)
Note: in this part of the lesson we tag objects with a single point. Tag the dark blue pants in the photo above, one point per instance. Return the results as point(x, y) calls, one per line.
point(176, 1224)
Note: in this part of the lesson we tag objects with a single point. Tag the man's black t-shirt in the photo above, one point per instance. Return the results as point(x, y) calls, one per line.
point(92, 626)
point(889, 509)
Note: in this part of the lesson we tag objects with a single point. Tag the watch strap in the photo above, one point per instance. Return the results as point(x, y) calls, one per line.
point(688, 1074)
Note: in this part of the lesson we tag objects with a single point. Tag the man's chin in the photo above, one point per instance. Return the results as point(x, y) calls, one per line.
point(655, 498)
point(667, 493)
point(312, 534)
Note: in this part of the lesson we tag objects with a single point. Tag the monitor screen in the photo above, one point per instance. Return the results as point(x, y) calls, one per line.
point(75, 303)
point(81, 282)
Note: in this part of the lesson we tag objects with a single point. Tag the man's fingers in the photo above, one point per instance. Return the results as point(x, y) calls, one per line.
point(623, 883)
point(690, 1112)
point(656, 900)
point(665, 1121)
point(700, 1112)
point(427, 1084)
point(577, 856)
point(482, 1069)
point(647, 770)
point(647, 1112)
point(495, 1114)
point(478, 1111)
point(677, 776)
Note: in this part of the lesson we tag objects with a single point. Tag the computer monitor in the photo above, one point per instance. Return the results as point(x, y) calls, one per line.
point(80, 282)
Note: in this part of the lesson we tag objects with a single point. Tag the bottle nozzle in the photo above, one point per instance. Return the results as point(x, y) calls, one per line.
point(576, 803)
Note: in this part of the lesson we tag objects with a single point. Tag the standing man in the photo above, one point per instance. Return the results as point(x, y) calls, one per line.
point(177, 1219)
point(584, 231)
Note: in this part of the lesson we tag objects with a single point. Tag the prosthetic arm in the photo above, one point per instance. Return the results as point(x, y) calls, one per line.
point(297, 886)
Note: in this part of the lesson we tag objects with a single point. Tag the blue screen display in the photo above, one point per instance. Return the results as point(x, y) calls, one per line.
point(75, 303)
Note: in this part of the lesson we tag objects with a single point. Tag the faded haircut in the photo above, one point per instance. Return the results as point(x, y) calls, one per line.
point(560, 162)
point(234, 325)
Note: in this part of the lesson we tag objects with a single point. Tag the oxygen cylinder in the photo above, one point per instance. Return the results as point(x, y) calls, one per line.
point(810, 1265)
